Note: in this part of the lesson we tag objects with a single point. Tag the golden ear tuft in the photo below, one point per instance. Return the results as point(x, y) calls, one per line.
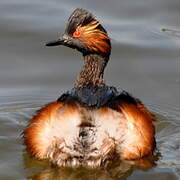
point(90, 27)
point(94, 37)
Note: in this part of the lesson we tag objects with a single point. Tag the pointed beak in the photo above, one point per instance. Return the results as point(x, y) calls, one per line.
point(59, 41)
point(54, 43)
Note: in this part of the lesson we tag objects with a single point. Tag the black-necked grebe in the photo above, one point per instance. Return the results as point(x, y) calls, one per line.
point(93, 122)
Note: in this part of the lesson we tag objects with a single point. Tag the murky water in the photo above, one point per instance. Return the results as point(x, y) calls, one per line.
point(145, 61)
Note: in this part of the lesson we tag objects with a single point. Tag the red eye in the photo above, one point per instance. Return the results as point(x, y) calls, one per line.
point(76, 33)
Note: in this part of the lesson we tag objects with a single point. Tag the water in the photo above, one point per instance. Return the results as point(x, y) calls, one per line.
point(145, 62)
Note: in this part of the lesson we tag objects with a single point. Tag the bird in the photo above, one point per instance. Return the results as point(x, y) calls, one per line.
point(91, 124)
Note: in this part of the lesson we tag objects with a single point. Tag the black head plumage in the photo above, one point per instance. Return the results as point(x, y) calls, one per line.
point(79, 17)
point(84, 33)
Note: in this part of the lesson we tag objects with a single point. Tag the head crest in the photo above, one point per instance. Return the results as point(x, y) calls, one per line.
point(79, 17)
point(83, 24)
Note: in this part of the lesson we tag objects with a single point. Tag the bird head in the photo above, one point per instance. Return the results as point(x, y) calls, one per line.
point(84, 33)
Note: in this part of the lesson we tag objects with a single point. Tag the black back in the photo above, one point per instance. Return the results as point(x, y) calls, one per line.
point(97, 96)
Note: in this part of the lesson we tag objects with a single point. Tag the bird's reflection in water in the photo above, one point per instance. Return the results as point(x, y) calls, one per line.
point(118, 170)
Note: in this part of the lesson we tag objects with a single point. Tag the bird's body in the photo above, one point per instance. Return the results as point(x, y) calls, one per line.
point(92, 123)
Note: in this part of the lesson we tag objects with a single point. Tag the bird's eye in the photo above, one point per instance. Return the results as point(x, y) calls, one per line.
point(76, 33)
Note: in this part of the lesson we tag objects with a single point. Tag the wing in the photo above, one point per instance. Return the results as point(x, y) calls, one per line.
point(36, 135)
point(138, 140)
point(44, 135)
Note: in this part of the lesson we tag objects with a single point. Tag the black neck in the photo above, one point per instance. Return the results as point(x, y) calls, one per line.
point(92, 71)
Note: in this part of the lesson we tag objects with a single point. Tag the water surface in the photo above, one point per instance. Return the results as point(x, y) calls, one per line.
point(145, 62)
